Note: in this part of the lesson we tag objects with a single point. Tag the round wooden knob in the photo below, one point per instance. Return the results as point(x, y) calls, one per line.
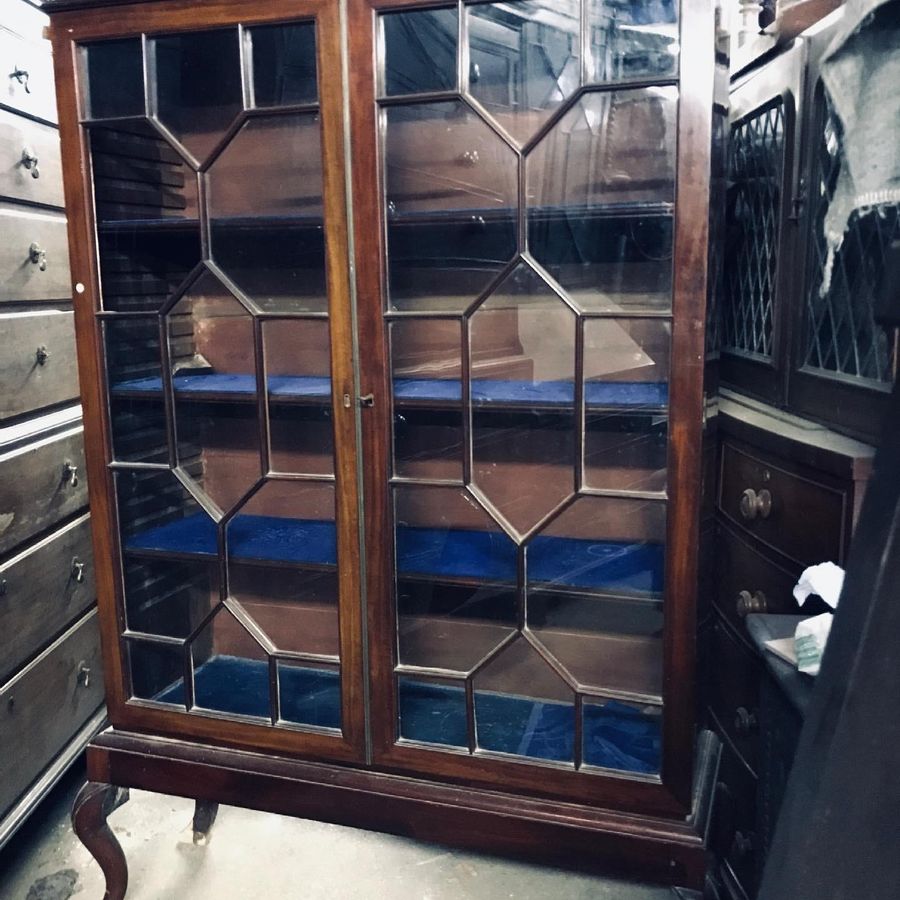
point(748, 603)
point(755, 504)
point(745, 722)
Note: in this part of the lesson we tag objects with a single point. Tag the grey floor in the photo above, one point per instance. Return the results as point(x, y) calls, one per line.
point(256, 855)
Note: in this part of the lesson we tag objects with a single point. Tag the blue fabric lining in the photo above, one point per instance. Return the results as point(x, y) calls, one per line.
point(616, 735)
point(605, 394)
point(486, 556)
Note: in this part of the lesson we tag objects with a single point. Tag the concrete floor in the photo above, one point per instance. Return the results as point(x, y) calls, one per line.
point(256, 855)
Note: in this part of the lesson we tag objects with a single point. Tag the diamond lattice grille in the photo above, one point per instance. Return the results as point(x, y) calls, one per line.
point(842, 335)
point(755, 168)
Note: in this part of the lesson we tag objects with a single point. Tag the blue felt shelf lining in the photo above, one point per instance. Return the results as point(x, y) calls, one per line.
point(458, 553)
point(598, 394)
point(616, 735)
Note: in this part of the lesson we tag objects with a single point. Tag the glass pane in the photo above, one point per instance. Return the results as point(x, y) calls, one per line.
point(842, 335)
point(157, 672)
point(626, 372)
point(755, 171)
point(134, 377)
point(523, 707)
point(214, 379)
point(523, 401)
point(297, 354)
point(264, 194)
point(115, 75)
point(286, 523)
point(198, 90)
point(451, 193)
point(231, 670)
point(623, 736)
point(600, 190)
point(159, 518)
point(433, 711)
point(632, 39)
point(427, 390)
point(169, 597)
point(147, 216)
point(296, 607)
point(284, 64)
point(309, 695)
point(420, 51)
point(525, 60)
point(601, 544)
point(456, 574)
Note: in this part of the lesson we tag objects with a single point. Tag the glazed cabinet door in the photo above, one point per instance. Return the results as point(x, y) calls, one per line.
point(761, 233)
point(213, 254)
point(522, 304)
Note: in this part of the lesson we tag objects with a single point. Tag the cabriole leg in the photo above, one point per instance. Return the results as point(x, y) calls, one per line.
point(204, 815)
point(92, 806)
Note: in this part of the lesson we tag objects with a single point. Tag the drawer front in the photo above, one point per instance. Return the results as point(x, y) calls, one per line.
point(31, 239)
point(45, 705)
point(30, 162)
point(734, 693)
point(748, 581)
point(798, 516)
point(38, 488)
point(44, 589)
point(734, 837)
point(38, 367)
point(27, 64)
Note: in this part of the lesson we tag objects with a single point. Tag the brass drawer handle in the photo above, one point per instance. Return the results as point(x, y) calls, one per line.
point(30, 161)
point(745, 721)
point(21, 75)
point(469, 158)
point(70, 474)
point(41, 355)
point(743, 844)
point(77, 571)
point(748, 603)
point(83, 674)
point(756, 504)
point(38, 256)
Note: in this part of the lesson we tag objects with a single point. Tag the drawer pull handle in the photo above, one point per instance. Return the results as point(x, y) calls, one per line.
point(743, 844)
point(77, 571)
point(748, 603)
point(84, 674)
point(755, 504)
point(21, 75)
point(70, 474)
point(745, 722)
point(38, 256)
point(42, 354)
point(469, 158)
point(30, 161)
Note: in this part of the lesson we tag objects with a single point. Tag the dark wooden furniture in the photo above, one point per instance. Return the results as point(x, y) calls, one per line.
point(785, 339)
point(789, 493)
point(51, 684)
point(805, 374)
point(414, 550)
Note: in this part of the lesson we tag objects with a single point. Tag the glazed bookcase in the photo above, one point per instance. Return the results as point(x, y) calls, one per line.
point(392, 338)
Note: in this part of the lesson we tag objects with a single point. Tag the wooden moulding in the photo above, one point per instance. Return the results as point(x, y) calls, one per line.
point(545, 831)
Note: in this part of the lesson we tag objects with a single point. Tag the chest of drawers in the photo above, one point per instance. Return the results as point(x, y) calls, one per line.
point(787, 496)
point(51, 684)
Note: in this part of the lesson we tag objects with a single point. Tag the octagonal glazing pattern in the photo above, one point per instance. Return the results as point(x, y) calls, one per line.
point(523, 406)
point(211, 354)
point(535, 389)
point(264, 197)
point(194, 107)
point(600, 189)
point(208, 198)
point(451, 194)
point(524, 60)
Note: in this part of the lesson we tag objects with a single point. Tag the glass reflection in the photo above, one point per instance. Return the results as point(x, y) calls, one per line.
point(419, 51)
